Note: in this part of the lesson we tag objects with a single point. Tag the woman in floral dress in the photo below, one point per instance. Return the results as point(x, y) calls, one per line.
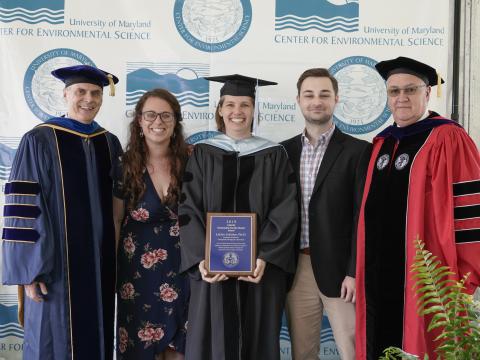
point(152, 295)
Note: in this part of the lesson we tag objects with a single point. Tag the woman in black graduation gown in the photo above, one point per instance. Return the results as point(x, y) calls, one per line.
point(238, 318)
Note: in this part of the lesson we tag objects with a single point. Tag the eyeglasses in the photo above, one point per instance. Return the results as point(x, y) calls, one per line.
point(409, 90)
point(151, 116)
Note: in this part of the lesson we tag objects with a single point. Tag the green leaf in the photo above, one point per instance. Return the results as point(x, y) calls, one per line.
point(435, 325)
point(432, 300)
point(452, 311)
point(435, 309)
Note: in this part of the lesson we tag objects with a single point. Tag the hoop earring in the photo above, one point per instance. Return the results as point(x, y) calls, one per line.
point(141, 133)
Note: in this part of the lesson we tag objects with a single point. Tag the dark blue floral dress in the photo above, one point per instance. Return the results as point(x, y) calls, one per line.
point(152, 297)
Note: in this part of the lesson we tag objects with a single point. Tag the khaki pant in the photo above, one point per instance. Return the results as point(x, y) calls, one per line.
point(305, 305)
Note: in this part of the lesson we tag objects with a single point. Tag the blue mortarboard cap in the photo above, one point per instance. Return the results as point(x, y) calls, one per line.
point(239, 85)
point(86, 74)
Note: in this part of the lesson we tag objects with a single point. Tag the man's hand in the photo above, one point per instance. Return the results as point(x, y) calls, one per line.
point(32, 291)
point(347, 292)
point(210, 278)
point(257, 273)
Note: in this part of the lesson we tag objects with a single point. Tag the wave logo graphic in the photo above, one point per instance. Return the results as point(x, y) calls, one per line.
point(323, 15)
point(8, 146)
point(183, 80)
point(284, 334)
point(362, 107)
point(212, 25)
point(11, 329)
point(43, 92)
point(8, 299)
point(9, 321)
point(32, 12)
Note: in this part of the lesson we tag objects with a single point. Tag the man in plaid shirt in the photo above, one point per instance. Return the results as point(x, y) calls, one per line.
point(330, 168)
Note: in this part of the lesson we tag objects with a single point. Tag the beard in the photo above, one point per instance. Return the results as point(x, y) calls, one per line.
point(322, 120)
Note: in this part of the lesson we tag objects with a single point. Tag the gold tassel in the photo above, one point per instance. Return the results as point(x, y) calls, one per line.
point(439, 85)
point(112, 85)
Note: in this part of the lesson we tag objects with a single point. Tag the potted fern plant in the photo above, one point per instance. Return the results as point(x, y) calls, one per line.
point(454, 312)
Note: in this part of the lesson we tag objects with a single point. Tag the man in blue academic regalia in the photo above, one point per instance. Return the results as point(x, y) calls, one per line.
point(58, 238)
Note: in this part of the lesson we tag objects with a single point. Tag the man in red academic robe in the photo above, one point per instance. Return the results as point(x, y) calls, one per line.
point(423, 181)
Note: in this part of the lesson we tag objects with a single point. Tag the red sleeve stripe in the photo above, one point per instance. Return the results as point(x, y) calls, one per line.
point(465, 200)
point(466, 187)
point(467, 224)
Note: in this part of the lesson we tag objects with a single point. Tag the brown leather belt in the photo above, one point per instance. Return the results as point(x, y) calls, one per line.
point(305, 251)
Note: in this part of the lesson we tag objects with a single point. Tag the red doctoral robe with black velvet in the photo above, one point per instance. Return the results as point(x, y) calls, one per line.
point(423, 181)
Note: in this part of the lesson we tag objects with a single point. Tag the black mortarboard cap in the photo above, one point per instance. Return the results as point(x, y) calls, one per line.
point(86, 74)
point(239, 85)
point(405, 65)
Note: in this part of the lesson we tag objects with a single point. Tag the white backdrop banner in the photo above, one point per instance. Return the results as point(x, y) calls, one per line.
point(174, 43)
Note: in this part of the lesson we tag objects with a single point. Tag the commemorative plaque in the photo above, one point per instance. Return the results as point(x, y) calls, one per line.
point(231, 243)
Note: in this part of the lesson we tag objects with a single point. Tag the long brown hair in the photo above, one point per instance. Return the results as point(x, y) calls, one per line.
point(134, 159)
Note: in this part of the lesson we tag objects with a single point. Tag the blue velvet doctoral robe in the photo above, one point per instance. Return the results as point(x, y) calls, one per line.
point(59, 230)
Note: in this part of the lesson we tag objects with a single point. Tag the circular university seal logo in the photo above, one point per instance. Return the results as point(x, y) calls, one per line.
point(362, 107)
point(41, 90)
point(230, 259)
point(402, 161)
point(212, 25)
